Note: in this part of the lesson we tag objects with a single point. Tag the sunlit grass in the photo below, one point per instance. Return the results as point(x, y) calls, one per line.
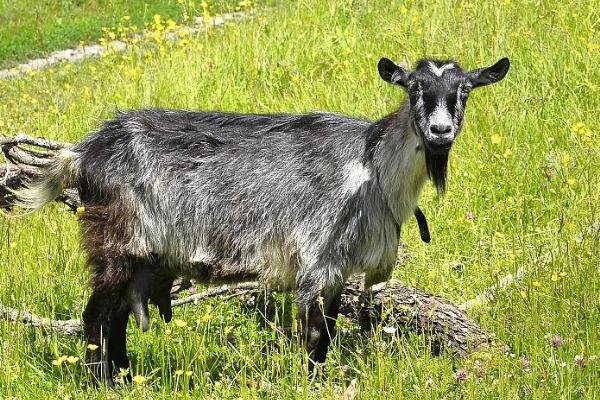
point(33, 28)
point(524, 179)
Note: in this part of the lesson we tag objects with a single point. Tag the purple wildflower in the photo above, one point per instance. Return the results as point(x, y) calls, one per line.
point(193, 290)
point(525, 362)
point(556, 340)
point(469, 216)
point(505, 348)
point(461, 375)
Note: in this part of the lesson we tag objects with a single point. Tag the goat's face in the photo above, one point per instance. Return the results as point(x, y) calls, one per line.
point(438, 92)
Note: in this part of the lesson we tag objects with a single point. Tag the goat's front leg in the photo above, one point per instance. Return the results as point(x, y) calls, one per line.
point(317, 316)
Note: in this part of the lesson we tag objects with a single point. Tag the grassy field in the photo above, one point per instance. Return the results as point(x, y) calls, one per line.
point(524, 179)
point(30, 29)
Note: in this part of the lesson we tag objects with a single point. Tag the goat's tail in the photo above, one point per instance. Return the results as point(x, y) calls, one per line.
point(57, 175)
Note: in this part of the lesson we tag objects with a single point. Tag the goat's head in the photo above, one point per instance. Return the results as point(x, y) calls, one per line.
point(438, 92)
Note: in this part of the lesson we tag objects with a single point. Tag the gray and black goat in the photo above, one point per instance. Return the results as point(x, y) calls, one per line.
point(294, 201)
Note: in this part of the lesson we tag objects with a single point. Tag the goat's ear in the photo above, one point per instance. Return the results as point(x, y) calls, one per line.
point(392, 73)
point(493, 74)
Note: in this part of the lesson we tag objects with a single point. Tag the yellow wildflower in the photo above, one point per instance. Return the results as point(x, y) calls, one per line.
point(496, 138)
point(139, 379)
point(72, 359)
point(92, 347)
point(536, 284)
point(577, 127)
point(179, 372)
point(554, 277)
point(206, 318)
point(562, 274)
point(180, 323)
point(188, 373)
point(58, 362)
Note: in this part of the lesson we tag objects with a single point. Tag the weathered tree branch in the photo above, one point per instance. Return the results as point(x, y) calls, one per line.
point(395, 305)
point(65, 327)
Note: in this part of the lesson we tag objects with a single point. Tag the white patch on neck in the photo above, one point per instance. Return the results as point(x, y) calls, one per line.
point(355, 175)
point(440, 70)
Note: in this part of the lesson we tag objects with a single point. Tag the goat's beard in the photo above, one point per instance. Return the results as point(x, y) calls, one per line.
point(436, 163)
point(437, 168)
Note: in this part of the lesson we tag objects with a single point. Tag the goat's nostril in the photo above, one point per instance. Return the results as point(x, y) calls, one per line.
point(440, 129)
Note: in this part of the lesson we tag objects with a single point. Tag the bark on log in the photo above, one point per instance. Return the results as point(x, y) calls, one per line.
point(393, 304)
point(397, 306)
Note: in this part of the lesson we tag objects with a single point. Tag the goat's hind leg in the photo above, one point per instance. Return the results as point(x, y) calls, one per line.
point(104, 342)
point(105, 318)
point(117, 342)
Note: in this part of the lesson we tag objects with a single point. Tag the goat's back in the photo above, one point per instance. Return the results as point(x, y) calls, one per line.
point(240, 193)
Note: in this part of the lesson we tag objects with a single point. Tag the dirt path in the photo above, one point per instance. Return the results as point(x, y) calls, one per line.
point(95, 49)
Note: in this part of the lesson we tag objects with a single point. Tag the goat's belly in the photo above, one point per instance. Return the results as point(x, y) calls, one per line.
point(217, 274)
point(269, 264)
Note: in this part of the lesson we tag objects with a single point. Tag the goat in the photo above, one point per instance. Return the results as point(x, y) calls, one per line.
point(299, 201)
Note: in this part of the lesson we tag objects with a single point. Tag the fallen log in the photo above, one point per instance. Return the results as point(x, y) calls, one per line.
point(392, 305)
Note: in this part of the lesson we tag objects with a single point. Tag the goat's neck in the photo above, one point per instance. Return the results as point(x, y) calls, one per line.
point(400, 162)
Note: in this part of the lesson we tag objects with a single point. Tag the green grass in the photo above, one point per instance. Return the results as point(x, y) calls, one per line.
point(30, 29)
point(527, 165)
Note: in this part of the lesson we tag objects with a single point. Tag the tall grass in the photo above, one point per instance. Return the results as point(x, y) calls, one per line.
point(525, 168)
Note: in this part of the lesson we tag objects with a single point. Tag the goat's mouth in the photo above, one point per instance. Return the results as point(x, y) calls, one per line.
point(438, 144)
